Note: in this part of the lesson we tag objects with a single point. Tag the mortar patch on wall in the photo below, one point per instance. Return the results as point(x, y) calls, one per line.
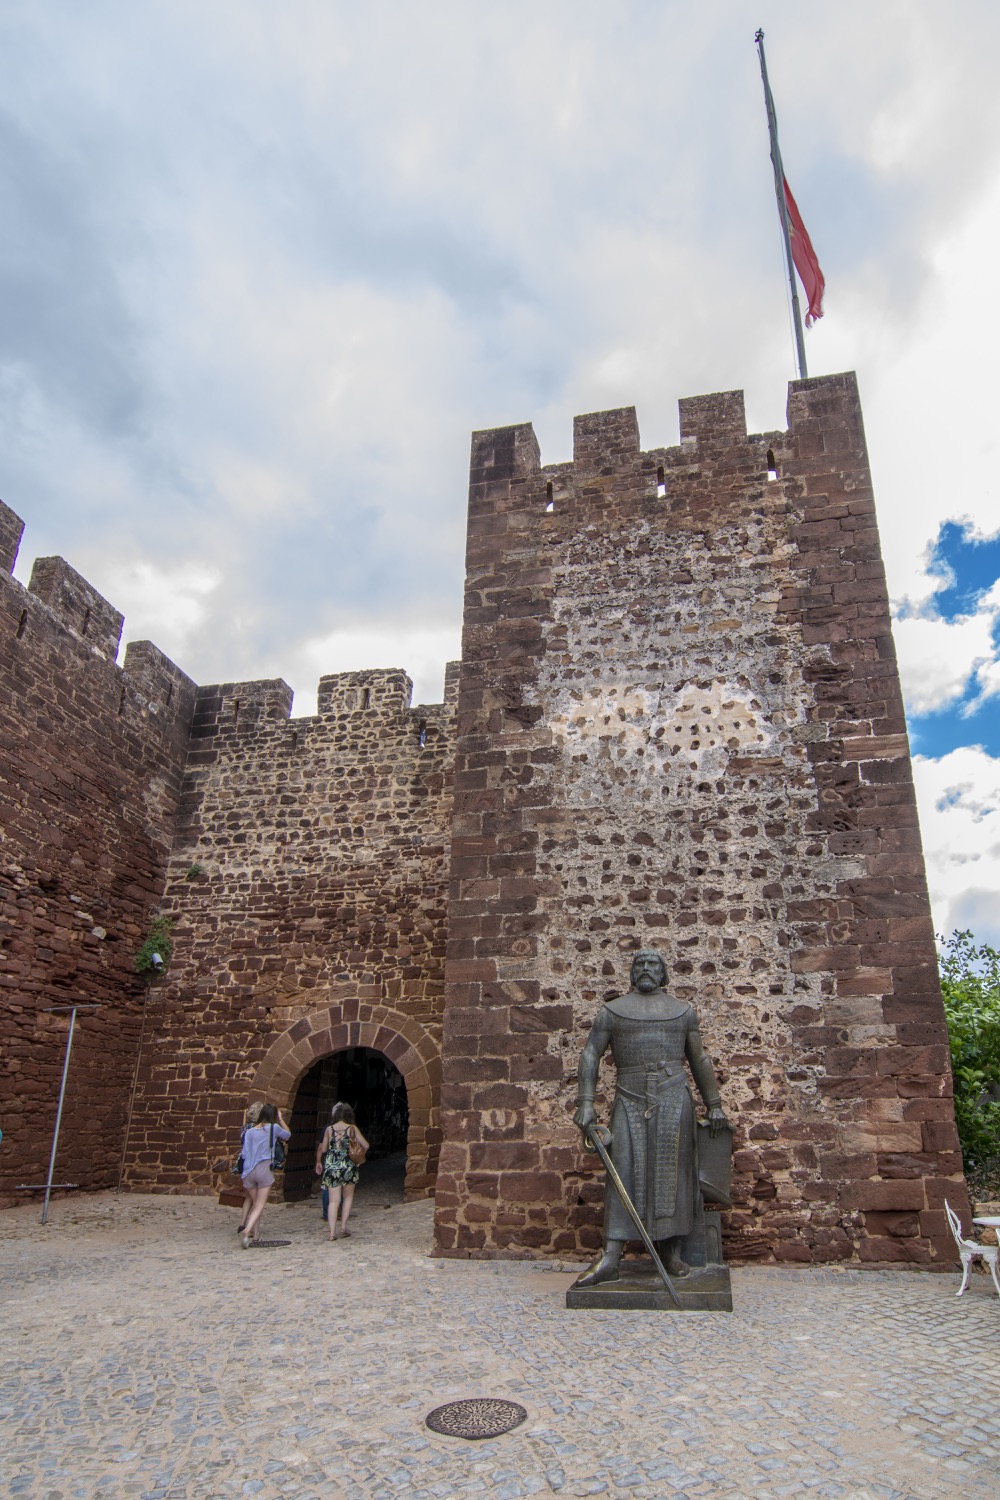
point(698, 727)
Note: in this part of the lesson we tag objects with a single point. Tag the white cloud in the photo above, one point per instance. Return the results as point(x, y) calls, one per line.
point(959, 800)
point(988, 681)
point(161, 605)
point(930, 405)
point(938, 658)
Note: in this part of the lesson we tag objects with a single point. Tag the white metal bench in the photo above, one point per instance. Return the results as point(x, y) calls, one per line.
point(971, 1250)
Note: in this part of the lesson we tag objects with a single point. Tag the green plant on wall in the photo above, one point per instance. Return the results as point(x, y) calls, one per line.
point(157, 941)
point(970, 983)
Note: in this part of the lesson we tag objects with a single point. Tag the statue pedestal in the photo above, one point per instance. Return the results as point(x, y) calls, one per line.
point(704, 1289)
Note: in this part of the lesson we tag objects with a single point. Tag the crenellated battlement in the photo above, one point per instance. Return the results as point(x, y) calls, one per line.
point(77, 604)
point(237, 710)
point(155, 684)
point(60, 627)
point(59, 603)
point(356, 708)
point(384, 693)
point(510, 487)
point(605, 442)
point(714, 421)
point(11, 532)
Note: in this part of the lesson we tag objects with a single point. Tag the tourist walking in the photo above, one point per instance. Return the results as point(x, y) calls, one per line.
point(258, 1178)
point(340, 1153)
point(252, 1116)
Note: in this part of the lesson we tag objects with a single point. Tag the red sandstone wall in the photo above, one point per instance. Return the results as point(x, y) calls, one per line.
point(680, 725)
point(90, 763)
point(314, 921)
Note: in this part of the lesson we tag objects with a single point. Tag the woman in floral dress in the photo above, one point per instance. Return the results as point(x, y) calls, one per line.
point(340, 1174)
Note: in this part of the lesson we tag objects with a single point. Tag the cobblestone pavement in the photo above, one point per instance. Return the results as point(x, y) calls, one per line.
point(145, 1354)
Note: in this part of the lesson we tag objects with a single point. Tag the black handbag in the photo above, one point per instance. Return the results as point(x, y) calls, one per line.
point(277, 1154)
point(237, 1166)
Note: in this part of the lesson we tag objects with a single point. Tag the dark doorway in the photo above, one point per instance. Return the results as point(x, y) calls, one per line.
point(374, 1088)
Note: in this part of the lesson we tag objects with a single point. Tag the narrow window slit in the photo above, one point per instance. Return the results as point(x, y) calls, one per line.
point(295, 739)
point(550, 503)
point(366, 698)
point(170, 693)
point(22, 623)
point(236, 711)
point(121, 702)
point(661, 483)
point(772, 467)
point(423, 733)
point(86, 621)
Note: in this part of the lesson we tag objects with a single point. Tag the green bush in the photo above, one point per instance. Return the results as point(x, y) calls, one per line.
point(157, 941)
point(970, 982)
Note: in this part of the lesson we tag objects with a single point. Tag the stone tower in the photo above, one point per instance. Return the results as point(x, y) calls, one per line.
point(680, 726)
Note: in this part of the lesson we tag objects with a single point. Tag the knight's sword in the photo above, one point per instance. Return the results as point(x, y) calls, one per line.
point(593, 1136)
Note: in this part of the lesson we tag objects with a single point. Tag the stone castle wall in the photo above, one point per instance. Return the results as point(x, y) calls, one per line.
point(91, 756)
point(302, 863)
point(308, 892)
point(680, 726)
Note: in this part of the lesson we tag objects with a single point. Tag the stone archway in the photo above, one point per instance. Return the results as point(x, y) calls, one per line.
point(359, 1023)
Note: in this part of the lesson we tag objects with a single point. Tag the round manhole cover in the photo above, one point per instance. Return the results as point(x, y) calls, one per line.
point(485, 1417)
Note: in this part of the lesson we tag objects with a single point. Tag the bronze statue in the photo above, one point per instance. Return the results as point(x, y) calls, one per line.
point(653, 1143)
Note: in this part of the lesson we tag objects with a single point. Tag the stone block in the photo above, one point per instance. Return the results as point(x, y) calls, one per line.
point(886, 1195)
point(530, 1187)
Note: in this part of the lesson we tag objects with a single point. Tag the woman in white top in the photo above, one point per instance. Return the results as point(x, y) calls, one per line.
point(258, 1179)
point(252, 1117)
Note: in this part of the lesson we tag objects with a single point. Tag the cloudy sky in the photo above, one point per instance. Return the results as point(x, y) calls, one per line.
point(263, 267)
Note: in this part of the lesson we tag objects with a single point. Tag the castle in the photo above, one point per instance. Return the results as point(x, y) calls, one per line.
point(676, 723)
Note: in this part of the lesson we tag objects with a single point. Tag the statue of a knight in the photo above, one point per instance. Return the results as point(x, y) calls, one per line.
point(653, 1138)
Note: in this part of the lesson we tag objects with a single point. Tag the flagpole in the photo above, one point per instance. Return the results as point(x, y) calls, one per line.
point(779, 190)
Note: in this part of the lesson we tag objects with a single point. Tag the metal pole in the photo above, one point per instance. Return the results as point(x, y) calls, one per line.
point(55, 1133)
point(779, 189)
point(135, 1082)
point(155, 970)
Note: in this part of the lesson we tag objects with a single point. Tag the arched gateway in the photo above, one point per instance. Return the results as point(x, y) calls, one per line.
point(352, 1024)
